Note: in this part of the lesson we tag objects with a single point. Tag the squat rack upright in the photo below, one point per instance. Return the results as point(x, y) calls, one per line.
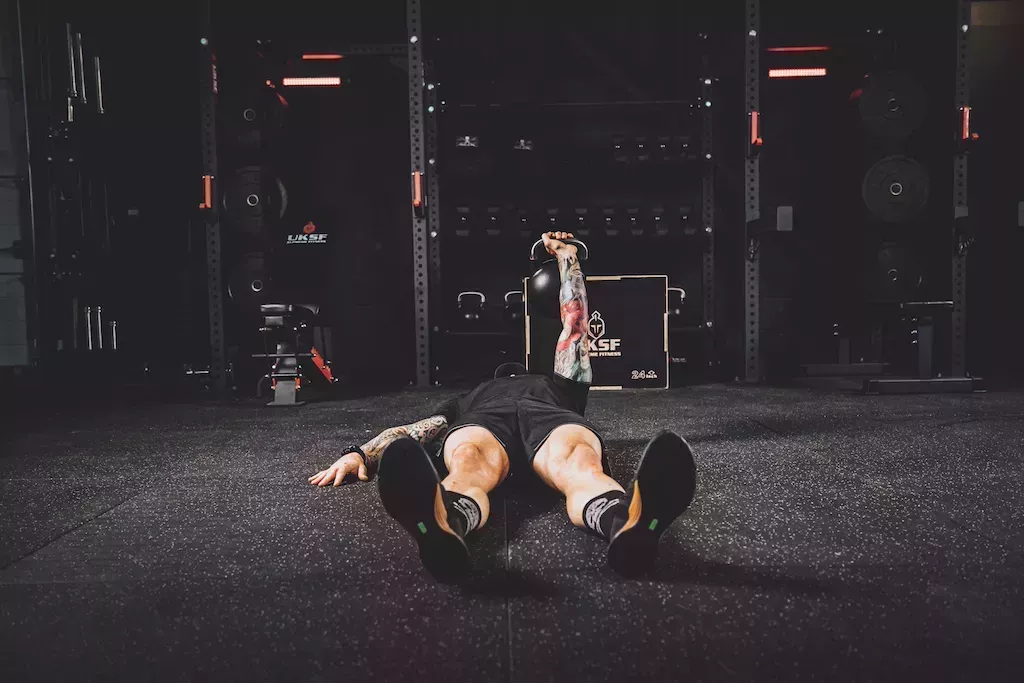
point(963, 233)
point(423, 182)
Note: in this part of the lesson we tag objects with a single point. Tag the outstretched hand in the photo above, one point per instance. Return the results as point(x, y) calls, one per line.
point(336, 473)
point(553, 242)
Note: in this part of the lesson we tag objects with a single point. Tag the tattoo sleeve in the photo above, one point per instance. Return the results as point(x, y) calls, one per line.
point(572, 354)
point(423, 431)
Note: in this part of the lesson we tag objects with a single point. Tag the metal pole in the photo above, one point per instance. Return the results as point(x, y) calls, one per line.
point(214, 278)
point(708, 202)
point(752, 269)
point(434, 217)
point(34, 323)
point(88, 327)
point(99, 85)
point(961, 241)
point(414, 23)
point(72, 73)
point(80, 68)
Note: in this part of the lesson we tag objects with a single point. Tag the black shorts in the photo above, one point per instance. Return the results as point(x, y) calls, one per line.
point(522, 426)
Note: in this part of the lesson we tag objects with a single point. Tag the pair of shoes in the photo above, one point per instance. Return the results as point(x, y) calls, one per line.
point(412, 493)
point(662, 489)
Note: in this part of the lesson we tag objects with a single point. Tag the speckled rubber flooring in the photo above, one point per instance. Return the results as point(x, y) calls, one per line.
point(834, 538)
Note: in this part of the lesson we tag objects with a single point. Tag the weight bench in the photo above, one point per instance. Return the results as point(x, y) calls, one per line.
point(295, 332)
point(923, 315)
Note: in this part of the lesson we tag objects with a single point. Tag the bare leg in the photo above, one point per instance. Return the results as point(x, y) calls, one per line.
point(570, 461)
point(477, 463)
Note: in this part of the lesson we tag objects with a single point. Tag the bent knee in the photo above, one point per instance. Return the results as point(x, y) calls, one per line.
point(583, 458)
point(567, 454)
point(480, 459)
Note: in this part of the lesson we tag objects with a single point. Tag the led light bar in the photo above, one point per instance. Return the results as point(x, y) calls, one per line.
point(800, 48)
point(320, 56)
point(313, 81)
point(797, 73)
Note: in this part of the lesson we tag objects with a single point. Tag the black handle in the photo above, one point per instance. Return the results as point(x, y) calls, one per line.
point(538, 252)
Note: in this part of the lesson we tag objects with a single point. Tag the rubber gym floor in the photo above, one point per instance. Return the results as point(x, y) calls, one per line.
point(834, 537)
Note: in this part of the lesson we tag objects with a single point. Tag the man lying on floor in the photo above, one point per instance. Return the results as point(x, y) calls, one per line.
point(516, 424)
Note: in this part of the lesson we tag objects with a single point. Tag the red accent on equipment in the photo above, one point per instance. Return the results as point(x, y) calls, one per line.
point(417, 189)
point(321, 365)
point(801, 48)
point(207, 202)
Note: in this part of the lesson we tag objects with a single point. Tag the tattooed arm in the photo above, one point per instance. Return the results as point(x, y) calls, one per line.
point(572, 353)
point(424, 431)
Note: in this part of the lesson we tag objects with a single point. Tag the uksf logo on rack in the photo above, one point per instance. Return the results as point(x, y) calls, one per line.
point(309, 235)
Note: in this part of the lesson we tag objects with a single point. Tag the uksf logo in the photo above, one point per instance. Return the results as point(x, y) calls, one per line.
point(599, 345)
point(309, 235)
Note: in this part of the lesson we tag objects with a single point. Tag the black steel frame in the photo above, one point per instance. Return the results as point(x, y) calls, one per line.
point(420, 265)
point(708, 202)
point(961, 234)
point(422, 142)
point(752, 212)
point(433, 215)
point(214, 266)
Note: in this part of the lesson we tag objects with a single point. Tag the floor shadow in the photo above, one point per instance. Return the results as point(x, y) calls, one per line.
point(690, 569)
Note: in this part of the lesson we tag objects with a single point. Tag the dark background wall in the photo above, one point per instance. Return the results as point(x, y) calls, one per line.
point(996, 180)
point(152, 276)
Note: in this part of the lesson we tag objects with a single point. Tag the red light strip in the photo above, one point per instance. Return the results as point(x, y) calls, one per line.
point(755, 125)
point(314, 81)
point(808, 48)
point(965, 127)
point(797, 73)
point(323, 56)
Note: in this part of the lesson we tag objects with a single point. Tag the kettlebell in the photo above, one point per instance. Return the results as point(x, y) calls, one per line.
point(542, 291)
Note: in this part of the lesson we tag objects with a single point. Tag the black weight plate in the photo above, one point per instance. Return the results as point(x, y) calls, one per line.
point(895, 189)
point(893, 104)
point(249, 120)
point(250, 284)
point(896, 275)
point(253, 197)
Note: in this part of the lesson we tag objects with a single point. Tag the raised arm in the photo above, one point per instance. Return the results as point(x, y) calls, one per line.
point(572, 353)
point(424, 431)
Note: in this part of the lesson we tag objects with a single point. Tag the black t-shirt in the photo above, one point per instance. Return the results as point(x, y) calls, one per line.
point(557, 391)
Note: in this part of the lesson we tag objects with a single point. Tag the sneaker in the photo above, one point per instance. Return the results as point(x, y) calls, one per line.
point(664, 485)
point(412, 493)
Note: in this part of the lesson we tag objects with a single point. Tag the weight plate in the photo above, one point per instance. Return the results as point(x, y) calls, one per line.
point(250, 284)
point(252, 197)
point(250, 120)
point(895, 189)
point(896, 275)
point(893, 104)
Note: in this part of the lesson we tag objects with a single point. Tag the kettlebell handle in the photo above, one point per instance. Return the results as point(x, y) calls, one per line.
point(462, 295)
point(538, 252)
